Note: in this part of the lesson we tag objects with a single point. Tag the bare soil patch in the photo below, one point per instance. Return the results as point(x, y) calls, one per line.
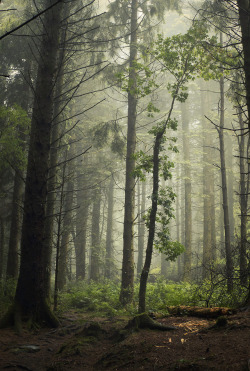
point(195, 345)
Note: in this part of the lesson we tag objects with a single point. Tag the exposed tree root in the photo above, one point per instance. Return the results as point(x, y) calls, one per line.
point(144, 321)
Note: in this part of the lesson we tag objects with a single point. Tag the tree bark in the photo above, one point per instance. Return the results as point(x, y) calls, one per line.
point(151, 228)
point(15, 228)
point(243, 194)
point(30, 301)
point(95, 238)
point(244, 16)
point(67, 222)
point(229, 261)
point(208, 178)
point(127, 285)
point(53, 169)
point(109, 256)
point(82, 214)
point(141, 224)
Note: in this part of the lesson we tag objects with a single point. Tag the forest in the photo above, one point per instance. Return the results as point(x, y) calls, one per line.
point(124, 183)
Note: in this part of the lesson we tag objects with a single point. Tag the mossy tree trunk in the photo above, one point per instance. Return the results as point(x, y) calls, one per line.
point(30, 302)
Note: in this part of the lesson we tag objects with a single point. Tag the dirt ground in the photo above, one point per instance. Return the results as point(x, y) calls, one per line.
point(194, 345)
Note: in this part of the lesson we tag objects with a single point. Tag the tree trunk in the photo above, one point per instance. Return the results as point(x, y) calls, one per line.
point(244, 16)
point(243, 201)
point(187, 196)
point(207, 256)
point(109, 235)
point(141, 225)
point(82, 214)
point(151, 227)
point(229, 262)
point(15, 228)
point(127, 285)
point(67, 222)
point(53, 169)
point(95, 238)
point(30, 301)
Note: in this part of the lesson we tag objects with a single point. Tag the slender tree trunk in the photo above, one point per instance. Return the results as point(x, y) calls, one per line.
point(229, 261)
point(230, 181)
point(178, 220)
point(243, 201)
point(188, 201)
point(141, 224)
point(82, 214)
point(151, 228)
point(58, 235)
point(95, 238)
point(127, 285)
point(67, 222)
point(31, 297)
point(109, 235)
point(208, 178)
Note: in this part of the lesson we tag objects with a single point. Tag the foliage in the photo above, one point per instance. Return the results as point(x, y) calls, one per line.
point(214, 293)
point(103, 297)
point(14, 124)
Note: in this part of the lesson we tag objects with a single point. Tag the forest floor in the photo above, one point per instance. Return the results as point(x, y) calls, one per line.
point(194, 345)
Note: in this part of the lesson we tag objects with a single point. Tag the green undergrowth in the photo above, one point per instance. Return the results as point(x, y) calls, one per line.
point(103, 298)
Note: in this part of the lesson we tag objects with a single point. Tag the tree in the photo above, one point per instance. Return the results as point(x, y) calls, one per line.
point(187, 195)
point(137, 18)
point(244, 17)
point(183, 56)
point(30, 300)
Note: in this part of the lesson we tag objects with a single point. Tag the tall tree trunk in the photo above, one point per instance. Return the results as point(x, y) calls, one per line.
point(208, 179)
point(151, 228)
point(95, 237)
point(141, 224)
point(187, 196)
point(230, 182)
point(31, 298)
point(178, 220)
point(244, 16)
point(67, 222)
point(82, 214)
point(229, 261)
point(53, 169)
point(243, 193)
point(127, 284)
point(109, 235)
